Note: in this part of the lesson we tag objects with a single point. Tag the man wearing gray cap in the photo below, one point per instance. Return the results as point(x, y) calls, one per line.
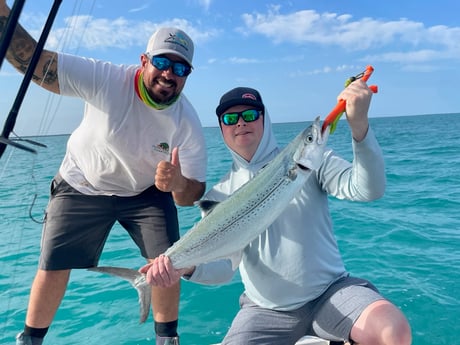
point(138, 151)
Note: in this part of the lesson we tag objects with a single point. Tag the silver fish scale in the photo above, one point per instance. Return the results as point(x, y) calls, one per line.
point(249, 211)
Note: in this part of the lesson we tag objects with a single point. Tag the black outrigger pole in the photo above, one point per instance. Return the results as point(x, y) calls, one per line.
point(6, 40)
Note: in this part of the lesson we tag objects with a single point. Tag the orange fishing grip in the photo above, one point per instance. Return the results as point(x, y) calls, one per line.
point(333, 117)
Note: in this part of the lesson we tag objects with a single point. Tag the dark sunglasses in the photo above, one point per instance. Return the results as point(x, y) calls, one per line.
point(249, 115)
point(163, 63)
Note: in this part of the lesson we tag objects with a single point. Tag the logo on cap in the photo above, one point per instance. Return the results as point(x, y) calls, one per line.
point(177, 39)
point(249, 95)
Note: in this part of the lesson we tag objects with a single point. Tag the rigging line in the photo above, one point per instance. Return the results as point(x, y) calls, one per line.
point(46, 118)
point(12, 116)
point(15, 244)
point(66, 39)
point(86, 26)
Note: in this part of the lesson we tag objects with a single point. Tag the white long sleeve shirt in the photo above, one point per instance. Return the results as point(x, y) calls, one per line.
point(297, 257)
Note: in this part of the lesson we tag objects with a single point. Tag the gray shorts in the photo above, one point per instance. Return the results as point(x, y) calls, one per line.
point(331, 316)
point(77, 225)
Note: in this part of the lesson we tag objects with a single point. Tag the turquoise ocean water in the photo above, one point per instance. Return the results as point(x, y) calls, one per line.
point(407, 243)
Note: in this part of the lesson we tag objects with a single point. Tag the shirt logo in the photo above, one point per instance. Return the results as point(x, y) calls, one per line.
point(161, 147)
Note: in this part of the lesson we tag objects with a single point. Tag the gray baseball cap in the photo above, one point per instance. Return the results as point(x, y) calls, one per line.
point(171, 41)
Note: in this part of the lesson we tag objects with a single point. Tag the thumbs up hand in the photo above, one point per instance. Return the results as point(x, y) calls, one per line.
point(168, 176)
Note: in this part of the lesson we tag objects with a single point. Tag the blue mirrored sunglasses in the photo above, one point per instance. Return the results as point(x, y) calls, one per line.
point(249, 115)
point(162, 63)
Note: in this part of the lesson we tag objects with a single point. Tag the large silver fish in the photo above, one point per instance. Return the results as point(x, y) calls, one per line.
point(227, 227)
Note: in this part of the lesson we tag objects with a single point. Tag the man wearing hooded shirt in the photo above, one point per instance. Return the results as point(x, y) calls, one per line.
point(138, 150)
point(293, 274)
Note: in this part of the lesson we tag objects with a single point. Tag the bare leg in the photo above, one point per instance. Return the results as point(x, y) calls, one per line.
point(165, 303)
point(46, 295)
point(381, 323)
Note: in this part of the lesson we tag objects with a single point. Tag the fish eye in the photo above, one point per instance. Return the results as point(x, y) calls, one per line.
point(309, 138)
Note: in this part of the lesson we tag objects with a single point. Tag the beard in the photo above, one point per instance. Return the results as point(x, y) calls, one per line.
point(163, 91)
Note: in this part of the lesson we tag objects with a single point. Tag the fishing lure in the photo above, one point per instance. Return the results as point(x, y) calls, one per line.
point(332, 119)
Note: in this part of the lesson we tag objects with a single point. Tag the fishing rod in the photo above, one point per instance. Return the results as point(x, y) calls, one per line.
point(13, 114)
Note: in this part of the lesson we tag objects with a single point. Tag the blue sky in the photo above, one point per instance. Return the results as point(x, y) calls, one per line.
point(296, 53)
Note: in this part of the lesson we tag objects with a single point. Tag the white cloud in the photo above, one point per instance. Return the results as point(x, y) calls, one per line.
point(331, 29)
point(101, 33)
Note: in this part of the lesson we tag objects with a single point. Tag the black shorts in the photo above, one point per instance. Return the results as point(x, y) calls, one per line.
point(77, 225)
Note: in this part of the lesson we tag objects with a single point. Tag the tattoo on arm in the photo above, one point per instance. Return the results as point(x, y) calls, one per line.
point(21, 49)
point(20, 53)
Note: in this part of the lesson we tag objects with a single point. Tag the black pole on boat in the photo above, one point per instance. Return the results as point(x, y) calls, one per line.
point(9, 28)
point(12, 116)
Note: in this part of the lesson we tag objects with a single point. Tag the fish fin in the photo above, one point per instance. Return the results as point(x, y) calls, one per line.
point(137, 280)
point(206, 206)
point(235, 258)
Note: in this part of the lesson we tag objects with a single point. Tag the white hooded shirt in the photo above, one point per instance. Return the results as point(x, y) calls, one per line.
point(297, 257)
